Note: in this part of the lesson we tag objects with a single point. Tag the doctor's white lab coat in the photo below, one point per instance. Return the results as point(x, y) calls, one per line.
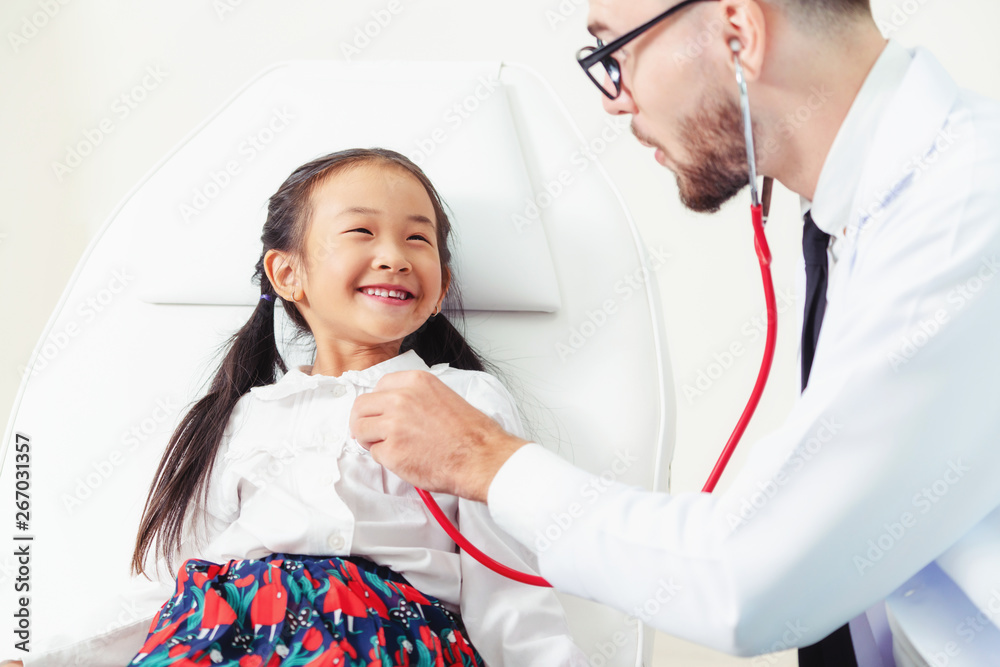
point(887, 467)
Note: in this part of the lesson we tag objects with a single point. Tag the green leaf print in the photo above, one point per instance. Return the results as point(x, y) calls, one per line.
point(377, 583)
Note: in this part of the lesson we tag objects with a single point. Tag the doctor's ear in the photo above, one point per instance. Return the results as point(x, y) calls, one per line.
point(744, 32)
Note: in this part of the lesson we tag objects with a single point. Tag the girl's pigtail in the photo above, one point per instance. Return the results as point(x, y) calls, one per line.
point(252, 360)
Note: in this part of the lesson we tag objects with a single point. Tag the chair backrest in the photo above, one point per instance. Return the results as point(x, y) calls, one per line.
point(557, 284)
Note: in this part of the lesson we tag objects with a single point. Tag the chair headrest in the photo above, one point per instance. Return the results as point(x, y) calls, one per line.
point(453, 120)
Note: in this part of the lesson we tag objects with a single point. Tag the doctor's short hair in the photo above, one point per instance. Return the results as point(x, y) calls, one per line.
point(824, 14)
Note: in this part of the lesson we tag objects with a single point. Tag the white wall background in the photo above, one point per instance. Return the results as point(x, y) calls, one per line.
point(61, 74)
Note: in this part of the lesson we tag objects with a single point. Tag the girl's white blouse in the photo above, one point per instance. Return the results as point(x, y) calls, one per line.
point(289, 479)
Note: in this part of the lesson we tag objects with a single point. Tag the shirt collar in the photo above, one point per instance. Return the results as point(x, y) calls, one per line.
point(298, 379)
point(841, 173)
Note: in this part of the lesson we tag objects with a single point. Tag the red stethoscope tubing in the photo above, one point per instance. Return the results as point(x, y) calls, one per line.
point(764, 257)
point(467, 546)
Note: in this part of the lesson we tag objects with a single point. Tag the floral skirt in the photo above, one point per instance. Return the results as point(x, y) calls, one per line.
point(302, 610)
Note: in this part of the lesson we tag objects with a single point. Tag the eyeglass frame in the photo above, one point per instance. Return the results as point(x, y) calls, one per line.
point(604, 51)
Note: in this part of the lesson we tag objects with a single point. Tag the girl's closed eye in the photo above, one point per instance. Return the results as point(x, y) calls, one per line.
point(369, 232)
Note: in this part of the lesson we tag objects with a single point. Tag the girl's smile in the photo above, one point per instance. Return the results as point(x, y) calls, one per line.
point(393, 295)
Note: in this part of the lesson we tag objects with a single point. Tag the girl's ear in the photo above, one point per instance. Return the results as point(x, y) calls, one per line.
point(281, 272)
point(445, 284)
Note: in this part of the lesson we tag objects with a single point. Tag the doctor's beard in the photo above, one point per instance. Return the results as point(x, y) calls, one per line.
point(716, 153)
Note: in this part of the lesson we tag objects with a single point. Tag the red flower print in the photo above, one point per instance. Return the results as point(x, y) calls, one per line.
point(269, 604)
point(216, 614)
point(357, 585)
point(342, 600)
point(348, 649)
point(312, 640)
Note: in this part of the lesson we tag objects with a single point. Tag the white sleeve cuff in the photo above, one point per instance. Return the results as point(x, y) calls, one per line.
point(536, 496)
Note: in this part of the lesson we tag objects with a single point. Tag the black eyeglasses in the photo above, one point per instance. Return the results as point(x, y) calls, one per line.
point(601, 66)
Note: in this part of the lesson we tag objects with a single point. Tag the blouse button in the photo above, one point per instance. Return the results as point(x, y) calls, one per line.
point(339, 390)
point(336, 541)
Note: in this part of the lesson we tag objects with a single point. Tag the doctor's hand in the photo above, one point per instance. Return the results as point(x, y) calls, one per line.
point(420, 429)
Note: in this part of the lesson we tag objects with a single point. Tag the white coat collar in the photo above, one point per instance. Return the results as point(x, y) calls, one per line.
point(841, 174)
point(298, 379)
point(908, 133)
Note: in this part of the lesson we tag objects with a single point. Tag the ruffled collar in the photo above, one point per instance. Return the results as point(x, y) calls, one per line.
point(298, 379)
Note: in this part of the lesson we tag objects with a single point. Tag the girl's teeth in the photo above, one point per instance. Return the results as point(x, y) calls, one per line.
point(387, 293)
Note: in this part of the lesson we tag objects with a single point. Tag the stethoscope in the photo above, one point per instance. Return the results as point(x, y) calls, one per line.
point(758, 215)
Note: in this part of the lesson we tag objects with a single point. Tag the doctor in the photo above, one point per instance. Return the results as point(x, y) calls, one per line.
point(886, 468)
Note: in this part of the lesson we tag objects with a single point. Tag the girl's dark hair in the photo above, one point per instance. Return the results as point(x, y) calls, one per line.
point(253, 360)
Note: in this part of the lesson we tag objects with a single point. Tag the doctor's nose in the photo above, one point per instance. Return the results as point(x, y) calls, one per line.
point(623, 104)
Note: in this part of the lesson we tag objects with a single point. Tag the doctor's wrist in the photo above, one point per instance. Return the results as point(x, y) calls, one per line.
point(495, 452)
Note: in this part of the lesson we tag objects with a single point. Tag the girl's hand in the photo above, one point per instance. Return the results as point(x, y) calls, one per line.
point(417, 427)
point(11, 663)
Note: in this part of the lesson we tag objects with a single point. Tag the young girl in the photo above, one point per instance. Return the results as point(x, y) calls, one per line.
point(300, 549)
point(313, 554)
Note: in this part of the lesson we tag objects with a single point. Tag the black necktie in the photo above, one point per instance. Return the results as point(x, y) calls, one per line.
point(814, 245)
point(837, 650)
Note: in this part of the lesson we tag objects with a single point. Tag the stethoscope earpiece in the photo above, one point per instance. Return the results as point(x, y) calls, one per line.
point(735, 45)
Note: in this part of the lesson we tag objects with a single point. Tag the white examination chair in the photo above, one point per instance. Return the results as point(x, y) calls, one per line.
point(558, 289)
